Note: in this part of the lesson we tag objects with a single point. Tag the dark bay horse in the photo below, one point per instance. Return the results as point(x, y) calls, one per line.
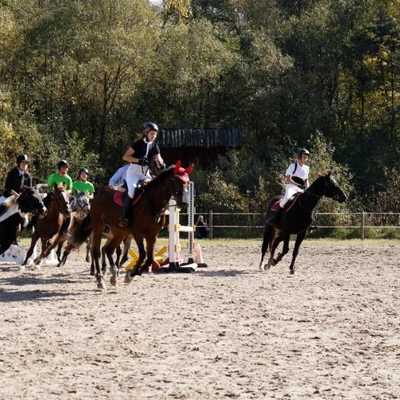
point(147, 220)
point(297, 219)
point(48, 229)
point(13, 212)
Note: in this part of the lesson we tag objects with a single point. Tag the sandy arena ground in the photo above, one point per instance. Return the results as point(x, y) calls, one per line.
point(227, 331)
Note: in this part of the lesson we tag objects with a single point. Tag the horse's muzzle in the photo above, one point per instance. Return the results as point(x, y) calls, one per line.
point(42, 212)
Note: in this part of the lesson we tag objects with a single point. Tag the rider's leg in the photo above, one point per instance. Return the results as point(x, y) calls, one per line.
point(276, 215)
point(131, 182)
point(126, 212)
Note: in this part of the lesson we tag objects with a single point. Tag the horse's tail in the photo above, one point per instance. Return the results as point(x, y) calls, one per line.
point(81, 233)
point(268, 231)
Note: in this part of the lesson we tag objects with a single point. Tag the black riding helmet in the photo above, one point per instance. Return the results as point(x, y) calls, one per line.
point(303, 151)
point(85, 170)
point(150, 126)
point(62, 163)
point(22, 157)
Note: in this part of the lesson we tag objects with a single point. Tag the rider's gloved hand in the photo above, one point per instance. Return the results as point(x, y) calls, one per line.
point(145, 161)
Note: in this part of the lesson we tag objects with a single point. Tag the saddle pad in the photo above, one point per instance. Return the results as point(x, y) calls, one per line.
point(119, 196)
point(288, 205)
point(275, 205)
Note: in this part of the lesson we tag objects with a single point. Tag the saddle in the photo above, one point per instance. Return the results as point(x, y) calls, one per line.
point(288, 205)
point(119, 197)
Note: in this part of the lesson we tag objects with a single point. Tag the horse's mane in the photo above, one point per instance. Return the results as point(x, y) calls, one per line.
point(165, 174)
point(320, 178)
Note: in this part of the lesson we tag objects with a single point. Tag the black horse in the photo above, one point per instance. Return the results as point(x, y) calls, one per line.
point(297, 219)
point(13, 212)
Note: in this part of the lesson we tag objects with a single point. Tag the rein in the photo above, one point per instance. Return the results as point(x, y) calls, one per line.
point(318, 196)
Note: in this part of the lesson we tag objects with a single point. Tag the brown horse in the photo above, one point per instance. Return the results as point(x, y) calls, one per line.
point(147, 220)
point(48, 229)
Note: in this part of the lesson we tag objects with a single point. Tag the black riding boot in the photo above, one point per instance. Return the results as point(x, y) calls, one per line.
point(275, 217)
point(126, 213)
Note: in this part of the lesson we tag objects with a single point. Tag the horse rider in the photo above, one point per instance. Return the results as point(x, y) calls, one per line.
point(60, 177)
point(119, 177)
point(296, 180)
point(138, 155)
point(81, 185)
point(17, 177)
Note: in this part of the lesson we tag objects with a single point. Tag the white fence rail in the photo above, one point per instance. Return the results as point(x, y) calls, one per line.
point(253, 221)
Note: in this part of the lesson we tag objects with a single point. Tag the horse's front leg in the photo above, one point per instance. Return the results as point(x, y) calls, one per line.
point(150, 250)
point(136, 270)
point(52, 244)
point(42, 255)
point(59, 250)
point(34, 239)
point(285, 249)
point(114, 267)
point(299, 239)
point(96, 255)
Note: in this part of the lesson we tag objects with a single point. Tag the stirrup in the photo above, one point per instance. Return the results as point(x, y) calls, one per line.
point(123, 222)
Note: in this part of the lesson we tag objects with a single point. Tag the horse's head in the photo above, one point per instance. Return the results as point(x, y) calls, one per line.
point(30, 201)
point(332, 189)
point(155, 166)
point(180, 182)
point(81, 204)
point(61, 200)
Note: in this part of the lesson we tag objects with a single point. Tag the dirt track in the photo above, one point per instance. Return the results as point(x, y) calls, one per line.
point(229, 331)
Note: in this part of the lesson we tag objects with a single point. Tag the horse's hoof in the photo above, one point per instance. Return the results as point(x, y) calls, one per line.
point(128, 278)
point(101, 284)
point(262, 267)
point(113, 280)
point(22, 267)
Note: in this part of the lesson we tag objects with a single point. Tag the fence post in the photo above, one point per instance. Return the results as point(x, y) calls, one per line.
point(362, 225)
point(210, 224)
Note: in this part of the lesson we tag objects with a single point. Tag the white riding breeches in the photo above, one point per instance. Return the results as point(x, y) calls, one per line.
point(134, 174)
point(289, 192)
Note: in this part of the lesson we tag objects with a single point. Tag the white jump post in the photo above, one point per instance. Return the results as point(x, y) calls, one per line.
point(174, 246)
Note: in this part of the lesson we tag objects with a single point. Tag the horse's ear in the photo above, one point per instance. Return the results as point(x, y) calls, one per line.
point(177, 166)
point(189, 169)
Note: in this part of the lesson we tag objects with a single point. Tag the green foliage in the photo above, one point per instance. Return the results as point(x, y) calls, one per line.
point(78, 79)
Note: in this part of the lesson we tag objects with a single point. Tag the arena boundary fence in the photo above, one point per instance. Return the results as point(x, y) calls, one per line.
point(361, 221)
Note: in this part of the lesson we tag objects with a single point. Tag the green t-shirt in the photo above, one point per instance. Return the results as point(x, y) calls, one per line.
point(85, 187)
point(59, 180)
